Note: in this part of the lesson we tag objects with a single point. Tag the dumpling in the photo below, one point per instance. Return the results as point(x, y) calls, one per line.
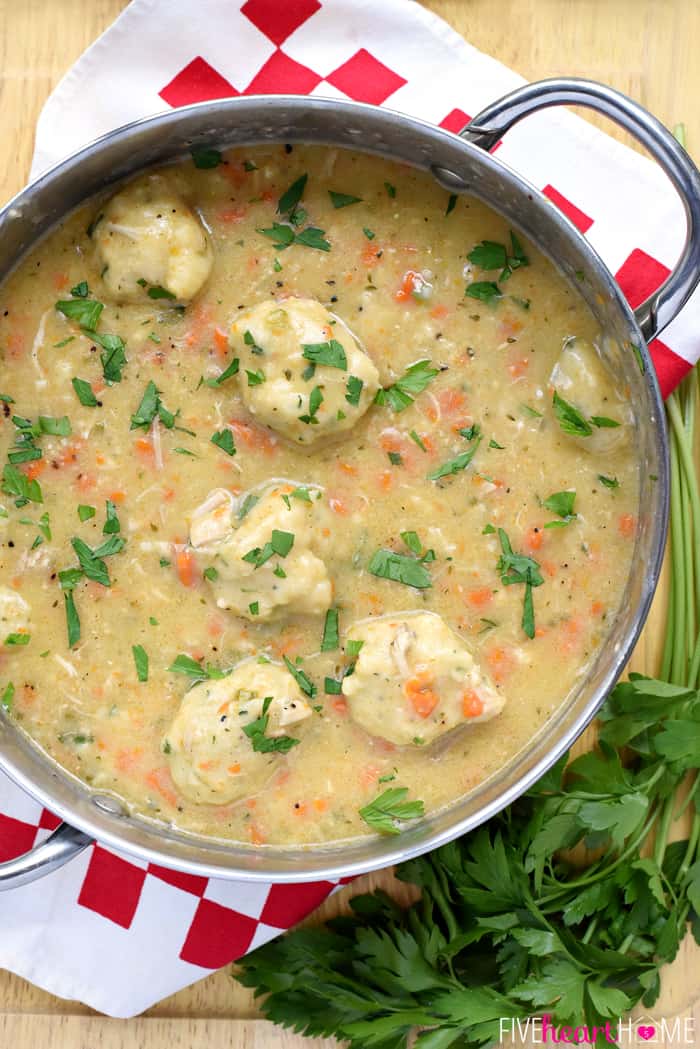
point(14, 613)
point(582, 379)
point(213, 761)
point(414, 680)
point(271, 561)
point(148, 238)
point(301, 371)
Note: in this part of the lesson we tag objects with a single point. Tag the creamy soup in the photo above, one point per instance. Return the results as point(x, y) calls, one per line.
point(318, 498)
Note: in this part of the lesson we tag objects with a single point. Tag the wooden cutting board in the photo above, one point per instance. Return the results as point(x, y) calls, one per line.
point(647, 48)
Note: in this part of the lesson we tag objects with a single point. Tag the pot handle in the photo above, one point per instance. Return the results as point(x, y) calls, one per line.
point(491, 124)
point(60, 847)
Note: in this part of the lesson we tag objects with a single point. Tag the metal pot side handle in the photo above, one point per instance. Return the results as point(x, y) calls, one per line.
point(493, 122)
point(63, 845)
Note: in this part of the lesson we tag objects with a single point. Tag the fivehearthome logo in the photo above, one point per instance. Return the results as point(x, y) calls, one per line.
point(541, 1030)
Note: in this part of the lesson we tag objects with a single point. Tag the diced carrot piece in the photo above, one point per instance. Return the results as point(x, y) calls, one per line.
point(386, 480)
point(534, 539)
point(86, 482)
point(256, 835)
point(501, 663)
point(207, 766)
point(100, 460)
point(145, 450)
point(480, 597)
point(420, 695)
point(371, 255)
point(338, 506)
point(161, 781)
point(451, 401)
point(438, 312)
point(234, 214)
point(409, 282)
point(34, 468)
point(70, 453)
point(201, 319)
point(254, 436)
point(186, 567)
point(117, 497)
point(472, 704)
point(627, 525)
point(60, 280)
point(369, 775)
point(519, 368)
point(221, 343)
point(340, 706)
point(597, 608)
point(320, 804)
point(348, 468)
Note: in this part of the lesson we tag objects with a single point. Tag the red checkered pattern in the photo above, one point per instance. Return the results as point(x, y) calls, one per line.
point(167, 928)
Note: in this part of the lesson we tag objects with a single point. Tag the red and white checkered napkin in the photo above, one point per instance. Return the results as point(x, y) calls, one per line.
point(111, 931)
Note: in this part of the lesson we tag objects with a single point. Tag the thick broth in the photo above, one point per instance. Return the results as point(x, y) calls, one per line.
point(86, 706)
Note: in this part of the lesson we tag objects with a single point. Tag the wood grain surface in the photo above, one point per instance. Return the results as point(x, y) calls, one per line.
point(647, 48)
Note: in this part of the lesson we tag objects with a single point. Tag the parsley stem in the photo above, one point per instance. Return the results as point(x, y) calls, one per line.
point(663, 828)
point(676, 598)
point(693, 838)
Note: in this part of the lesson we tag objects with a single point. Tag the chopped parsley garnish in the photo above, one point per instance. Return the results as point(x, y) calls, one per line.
point(391, 808)
point(72, 618)
point(609, 482)
point(7, 697)
point(190, 667)
point(561, 504)
point(18, 485)
point(315, 402)
point(370, 234)
point(86, 512)
point(205, 157)
point(210, 573)
point(150, 407)
point(247, 505)
point(574, 422)
point(224, 439)
point(485, 290)
point(81, 290)
point(461, 461)
point(395, 458)
point(84, 392)
point(113, 357)
point(111, 525)
point(494, 444)
point(303, 680)
point(386, 564)
point(156, 291)
point(254, 608)
point(311, 237)
point(353, 649)
point(354, 390)
point(330, 639)
point(332, 687)
point(300, 493)
point(86, 312)
point(249, 340)
point(532, 412)
point(451, 204)
point(262, 744)
point(330, 353)
point(280, 543)
point(17, 639)
point(6, 399)
point(291, 197)
point(414, 437)
point(489, 255)
point(256, 378)
point(404, 391)
point(391, 190)
point(140, 661)
point(343, 200)
point(229, 371)
point(518, 568)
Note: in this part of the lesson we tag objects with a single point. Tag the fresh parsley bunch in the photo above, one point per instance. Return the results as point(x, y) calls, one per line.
point(508, 923)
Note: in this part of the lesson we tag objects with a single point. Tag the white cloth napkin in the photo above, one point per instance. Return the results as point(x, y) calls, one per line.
point(109, 930)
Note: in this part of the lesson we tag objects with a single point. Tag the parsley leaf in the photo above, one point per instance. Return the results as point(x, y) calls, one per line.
point(561, 504)
point(330, 639)
point(84, 392)
point(609, 482)
point(570, 419)
point(140, 661)
point(343, 200)
point(85, 311)
point(330, 353)
point(113, 357)
point(291, 197)
point(17, 484)
point(518, 568)
point(391, 808)
point(224, 439)
point(315, 402)
point(192, 668)
point(205, 157)
point(262, 744)
point(386, 564)
point(486, 290)
point(302, 679)
point(403, 392)
point(461, 461)
point(354, 390)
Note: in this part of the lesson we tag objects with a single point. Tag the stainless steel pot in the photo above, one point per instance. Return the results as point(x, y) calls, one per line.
point(462, 164)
